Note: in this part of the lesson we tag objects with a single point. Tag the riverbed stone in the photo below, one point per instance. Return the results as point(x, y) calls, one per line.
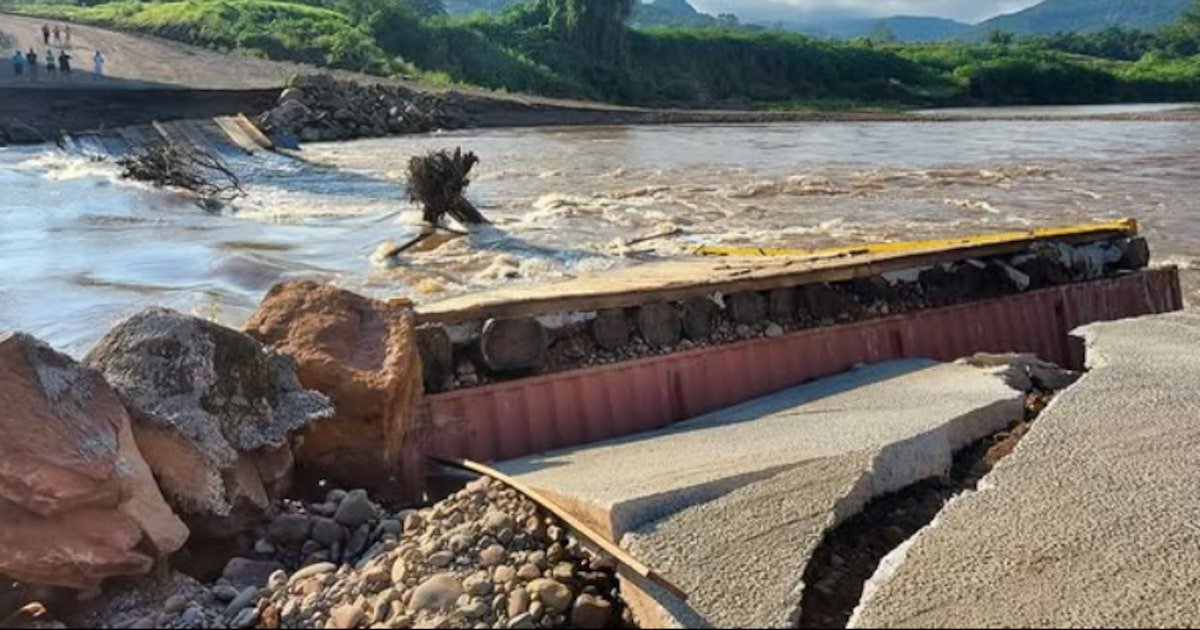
point(554, 595)
point(699, 318)
point(660, 324)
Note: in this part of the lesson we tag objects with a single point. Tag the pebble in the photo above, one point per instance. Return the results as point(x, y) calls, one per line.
point(263, 547)
point(478, 584)
point(529, 572)
point(347, 616)
point(504, 574)
point(518, 602)
point(355, 510)
point(243, 599)
point(326, 532)
point(245, 619)
point(399, 571)
point(474, 610)
point(441, 559)
point(553, 594)
point(224, 593)
point(193, 617)
point(311, 570)
point(493, 556)
point(523, 621)
point(175, 604)
point(439, 592)
point(290, 529)
point(563, 571)
point(774, 330)
point(590, 613)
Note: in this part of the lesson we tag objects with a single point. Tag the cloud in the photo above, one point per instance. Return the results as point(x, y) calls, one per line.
point(965, 10)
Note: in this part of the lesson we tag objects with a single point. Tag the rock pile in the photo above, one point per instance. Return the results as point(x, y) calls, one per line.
point(319, 108)
point(484, 557)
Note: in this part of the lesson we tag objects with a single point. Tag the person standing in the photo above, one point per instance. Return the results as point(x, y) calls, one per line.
point(98, 65)
point(18, 62)
point(31, 62)
point(67, 32)
point(51, 66)
point(57, 35)
point(64, 63)
point(46, 34)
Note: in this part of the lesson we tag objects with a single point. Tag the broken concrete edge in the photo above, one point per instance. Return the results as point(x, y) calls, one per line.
point(892, 562)
point(894, 467)
point(556, 342)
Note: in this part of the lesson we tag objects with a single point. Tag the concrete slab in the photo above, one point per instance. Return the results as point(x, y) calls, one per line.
point(1093, 521)
point(731, 505)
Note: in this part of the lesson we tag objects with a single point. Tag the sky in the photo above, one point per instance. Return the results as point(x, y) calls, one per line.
point(758, 10)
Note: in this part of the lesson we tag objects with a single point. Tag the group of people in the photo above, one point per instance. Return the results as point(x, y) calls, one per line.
point(59, 33)
point(59, 64)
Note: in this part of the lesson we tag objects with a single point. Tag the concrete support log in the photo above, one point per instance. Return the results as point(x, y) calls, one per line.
point(660, 324)
point(437, 356)
point(699, 319)
point(781, 305)
point(513, 344)
point(749, 307)
point(611, 329)
point(1135, 253)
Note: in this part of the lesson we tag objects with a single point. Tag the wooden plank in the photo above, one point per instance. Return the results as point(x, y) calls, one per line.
point(622, 557)
point(679, 280)
point(233, 130)
point(1127, 226)
point(254, 132)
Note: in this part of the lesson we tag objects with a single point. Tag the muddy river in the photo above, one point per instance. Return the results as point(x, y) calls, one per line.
point(80, 249)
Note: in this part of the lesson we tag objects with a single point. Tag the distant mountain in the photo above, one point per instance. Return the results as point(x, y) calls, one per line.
point(903, 28)
point(652, 13)
point(465, 7)
point(670, 13)
point(1083, 16)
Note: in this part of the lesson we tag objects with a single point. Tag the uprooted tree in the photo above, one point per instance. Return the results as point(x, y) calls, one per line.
point(201, 173)
point(437, 181)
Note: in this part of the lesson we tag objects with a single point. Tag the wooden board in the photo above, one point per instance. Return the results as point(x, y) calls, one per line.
point(624, 560)
point(681, 279)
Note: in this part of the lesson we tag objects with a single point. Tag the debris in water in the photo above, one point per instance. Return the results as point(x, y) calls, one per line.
point(199, 172)
point(437, 180)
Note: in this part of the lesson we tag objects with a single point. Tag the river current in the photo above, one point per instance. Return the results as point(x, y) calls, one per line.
point(80, 249)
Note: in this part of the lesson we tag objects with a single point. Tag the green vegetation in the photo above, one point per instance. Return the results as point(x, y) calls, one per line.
point(582, 48)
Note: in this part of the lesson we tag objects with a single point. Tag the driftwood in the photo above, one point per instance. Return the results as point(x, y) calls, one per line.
point(203, 174)
point(437, 180)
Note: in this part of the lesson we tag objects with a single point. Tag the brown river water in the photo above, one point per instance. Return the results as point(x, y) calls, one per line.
point(81, 249)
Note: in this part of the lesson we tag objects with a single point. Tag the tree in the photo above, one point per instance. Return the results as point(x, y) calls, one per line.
point(1000, 38)
point(426, 8)
point(1183, 38)
point(597, 26)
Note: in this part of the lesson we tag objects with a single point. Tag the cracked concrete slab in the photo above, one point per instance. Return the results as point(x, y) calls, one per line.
point(731, 505)
point(1093, 521)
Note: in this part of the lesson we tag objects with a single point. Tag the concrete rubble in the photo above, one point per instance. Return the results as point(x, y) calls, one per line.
point(1090, 522)
point(730, 505)
point(213, 414)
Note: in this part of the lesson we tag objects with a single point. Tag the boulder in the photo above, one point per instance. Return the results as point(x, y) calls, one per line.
point(78, 503)
point(213, 412)
point(362, 353)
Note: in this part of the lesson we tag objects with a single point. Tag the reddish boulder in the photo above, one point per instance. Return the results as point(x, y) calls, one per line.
point(363, 354)
point(78, 503)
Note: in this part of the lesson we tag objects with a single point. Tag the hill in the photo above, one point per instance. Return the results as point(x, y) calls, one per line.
point(904, 28)
point(1083, 16)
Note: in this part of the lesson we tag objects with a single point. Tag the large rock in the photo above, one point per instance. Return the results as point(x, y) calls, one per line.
point(78, 504)
point(213, 412)
point(363, 354)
